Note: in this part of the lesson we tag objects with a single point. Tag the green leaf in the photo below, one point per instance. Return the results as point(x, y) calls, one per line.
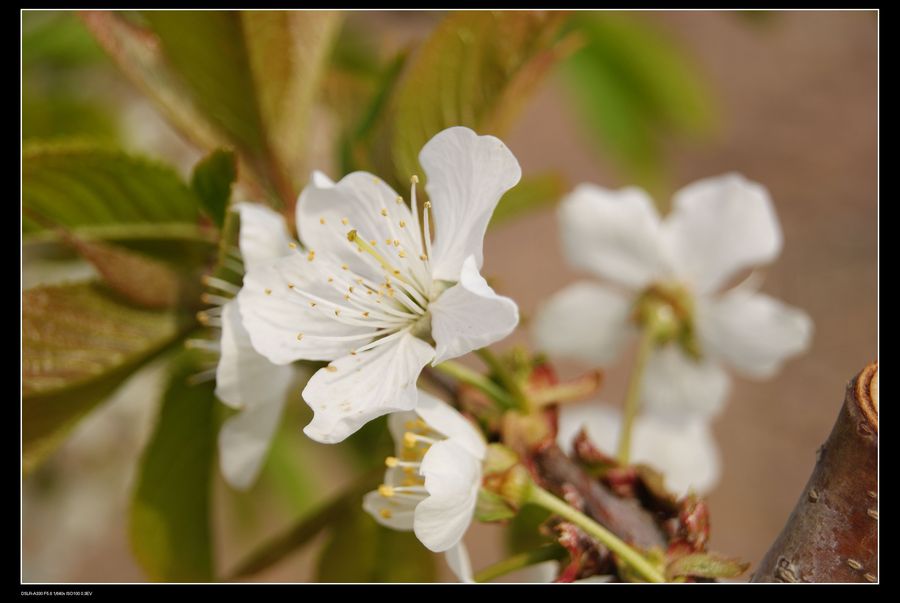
point(475, 70)
point(56, 40)
point(633, 87)
point(141, 280)
point(89, 189)
point(61, 115)
point(231, 78)
point(169, 526)
point(705, 565)
point(361, 550)
point(523, 533)
point(78, 345)
point(531, 193)
point(212, 180)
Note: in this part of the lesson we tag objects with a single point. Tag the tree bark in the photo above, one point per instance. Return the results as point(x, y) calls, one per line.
point(832, 534)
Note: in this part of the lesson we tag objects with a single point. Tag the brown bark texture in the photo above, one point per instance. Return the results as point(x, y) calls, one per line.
point(832, 533)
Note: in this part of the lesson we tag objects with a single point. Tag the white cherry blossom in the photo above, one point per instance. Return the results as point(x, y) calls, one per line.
point(246, 380)
point(373, 294)
point(717, 228)
point(431, 485)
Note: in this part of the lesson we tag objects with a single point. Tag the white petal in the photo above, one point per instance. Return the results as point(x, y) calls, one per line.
point(275, 314)
point(245, 438)
point(753, 332)
point(719, 226)
point(470, 315)
point(585, 321)
point(466, 176)
point(614, 234)
point(326, 212)
point(446, 420)
point(458, 560)
point(680, 388)
point(394, 512)
point(684, 452)
point(245, 378)
point(365, 386)
point(452, 478)
point(263, 236)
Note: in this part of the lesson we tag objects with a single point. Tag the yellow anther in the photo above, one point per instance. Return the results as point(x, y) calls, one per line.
point(331, 368)
point(290, 285)
point(399, 200)
point(414, 179)
point(385, 490)
point(366, 313)
point(350, 289)
point(344, 267)
point(202, 317)
point(390, 461)
point(423, 257)
point(292, 245)
point(402, 223)
point(402, 254)
point(427, 205)
point(337, 312)
point(312, 304)
point(346, 297)
point(330, 279)
point(384, 212)
point(410, 439)
point(311, 255)
point(386, 513)
point(321, 220)
point(299, 336)
point(396, 243)
point(373, 242)
point(344, 221)
point(268, 291)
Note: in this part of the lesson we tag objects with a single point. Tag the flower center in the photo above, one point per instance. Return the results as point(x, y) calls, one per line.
point(410, 484)
point(668, 309)
point(398, 304)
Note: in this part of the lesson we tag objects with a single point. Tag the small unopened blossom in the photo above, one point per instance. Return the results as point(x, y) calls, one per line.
point(431, 485)
point(246, 380)
point(684, 452)
point(373, 293)
point(673, 272)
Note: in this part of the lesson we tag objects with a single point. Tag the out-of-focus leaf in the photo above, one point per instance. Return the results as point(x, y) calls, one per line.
point(141, 280)
point(170, 509)
point(523, 533)
point(369, 446)
point(212, 180)
point(308, 526)
point(78, 345)
point(705, 565)
point(136, 51)
point(56, 39)
point(633, 87)
point(361, 550)
point(476, 70)
point(91, 190)
point(61, 115)
point(246, 79)
point(532, 192)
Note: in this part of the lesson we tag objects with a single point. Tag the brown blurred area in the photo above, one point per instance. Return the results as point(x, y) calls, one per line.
point(796, 94)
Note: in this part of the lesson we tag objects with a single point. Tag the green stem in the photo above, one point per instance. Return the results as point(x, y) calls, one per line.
point(633, 397)
point(511, 564)
point(509, 381)
point(633, 558)
point(478, 381)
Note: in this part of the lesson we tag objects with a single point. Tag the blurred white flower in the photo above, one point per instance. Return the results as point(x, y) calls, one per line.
point(246, 380)
point(431, 486)
point(373, 294)
point(684, 452)
point(717, 228)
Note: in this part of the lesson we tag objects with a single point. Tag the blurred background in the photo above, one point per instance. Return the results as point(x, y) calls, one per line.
point(789, 99)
